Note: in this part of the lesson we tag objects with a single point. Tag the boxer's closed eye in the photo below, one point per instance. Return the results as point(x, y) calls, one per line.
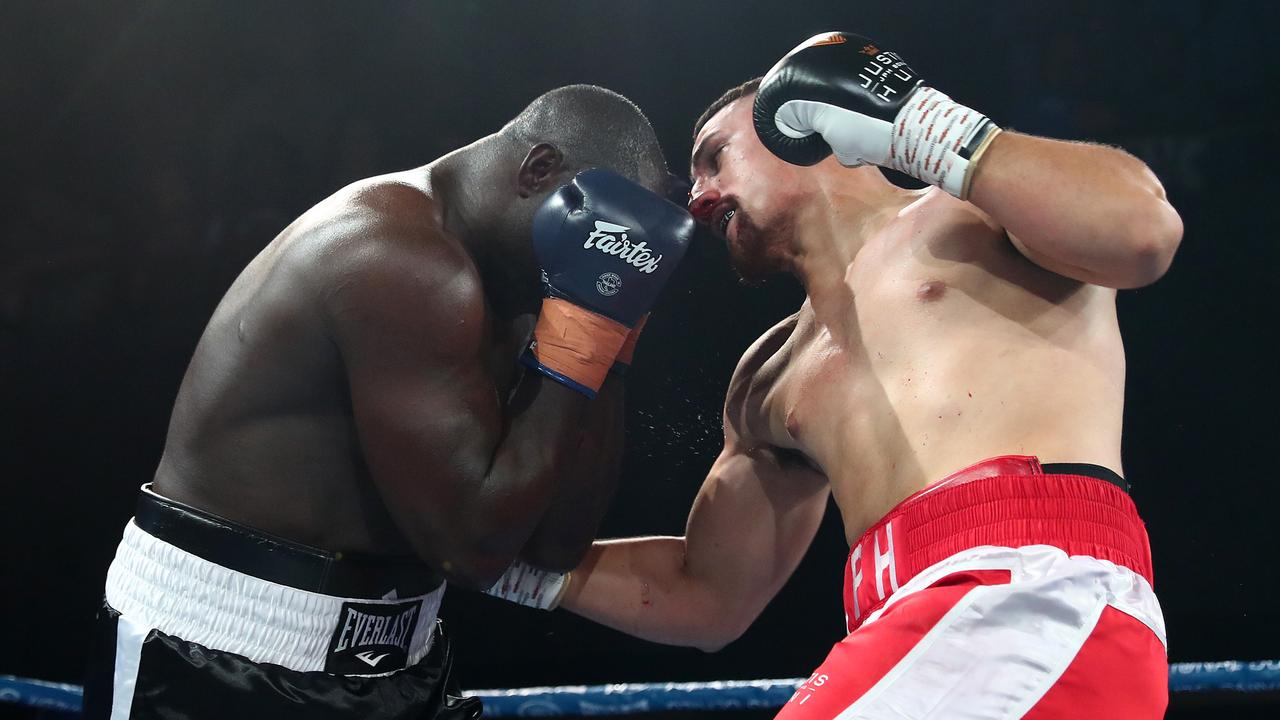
point(713, 162)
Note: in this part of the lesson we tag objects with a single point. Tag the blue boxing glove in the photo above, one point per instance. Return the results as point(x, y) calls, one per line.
point(838, 92)
point(607, 247)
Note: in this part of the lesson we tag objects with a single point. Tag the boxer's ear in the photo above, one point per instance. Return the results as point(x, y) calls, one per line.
point(541, 168)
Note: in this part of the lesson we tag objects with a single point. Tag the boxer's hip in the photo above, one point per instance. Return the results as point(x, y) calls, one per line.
point(226, 587)
point(1000, 632)
point(1004, 514)
point(1001, 591)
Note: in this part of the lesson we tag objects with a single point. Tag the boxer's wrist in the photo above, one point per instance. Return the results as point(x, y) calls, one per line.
point(575, 346)
point(573, 581)
point(939, 141)
point(532, 587)
point(975, 162)
point(622, 363)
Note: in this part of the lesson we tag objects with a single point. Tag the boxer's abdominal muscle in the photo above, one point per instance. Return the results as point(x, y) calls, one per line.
point(943, 348)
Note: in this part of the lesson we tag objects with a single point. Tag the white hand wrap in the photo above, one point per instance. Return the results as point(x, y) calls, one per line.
point(938, 140)
point(527, 585)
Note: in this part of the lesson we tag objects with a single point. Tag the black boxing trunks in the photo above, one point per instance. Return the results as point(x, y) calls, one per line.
point(1006, 590)
point(205, 618)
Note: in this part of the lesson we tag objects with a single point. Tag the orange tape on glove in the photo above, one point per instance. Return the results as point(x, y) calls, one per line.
point(577, 343)
point(629, 347)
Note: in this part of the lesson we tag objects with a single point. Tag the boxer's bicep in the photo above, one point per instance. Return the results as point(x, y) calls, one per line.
point(750, 525)
point(427, 414)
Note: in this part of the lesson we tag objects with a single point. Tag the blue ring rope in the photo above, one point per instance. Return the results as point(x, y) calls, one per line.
point(1232, 676)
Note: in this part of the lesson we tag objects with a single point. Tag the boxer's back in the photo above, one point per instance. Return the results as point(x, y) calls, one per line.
point(262, 430)
point(944, 347)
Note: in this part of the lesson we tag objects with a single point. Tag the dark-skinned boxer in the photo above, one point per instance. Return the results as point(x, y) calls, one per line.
point(355, 428)
point(955, 380)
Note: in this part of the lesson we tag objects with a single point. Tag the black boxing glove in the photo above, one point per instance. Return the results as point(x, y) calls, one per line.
point(838, 92)
point(607, 247)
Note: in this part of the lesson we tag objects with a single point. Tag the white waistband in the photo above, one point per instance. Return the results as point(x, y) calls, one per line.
point(164, 587)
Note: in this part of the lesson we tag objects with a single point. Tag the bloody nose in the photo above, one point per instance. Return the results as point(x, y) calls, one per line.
point(702, 205)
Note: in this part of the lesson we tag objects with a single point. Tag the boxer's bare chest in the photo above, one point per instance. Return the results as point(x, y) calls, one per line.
point(819, 373)
point(848, 380)
point(805, 388)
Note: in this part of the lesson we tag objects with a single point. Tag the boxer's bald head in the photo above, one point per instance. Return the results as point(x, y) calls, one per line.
point(592, 127)
point(495, 185)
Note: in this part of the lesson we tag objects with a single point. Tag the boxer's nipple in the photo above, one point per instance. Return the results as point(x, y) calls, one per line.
point(931, 290)
point(792, 422)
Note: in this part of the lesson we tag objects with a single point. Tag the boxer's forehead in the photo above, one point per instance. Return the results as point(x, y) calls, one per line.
point(731, 119)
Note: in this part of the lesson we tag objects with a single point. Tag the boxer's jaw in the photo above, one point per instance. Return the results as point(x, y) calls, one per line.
point(756, 252)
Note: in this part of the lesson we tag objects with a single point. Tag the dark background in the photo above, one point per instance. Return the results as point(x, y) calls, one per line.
point(149, 149)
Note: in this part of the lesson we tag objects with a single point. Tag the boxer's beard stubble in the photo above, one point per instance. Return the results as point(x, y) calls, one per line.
point(749, 253)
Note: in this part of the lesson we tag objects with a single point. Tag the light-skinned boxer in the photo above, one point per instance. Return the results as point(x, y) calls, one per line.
point(365, 419)
point(954, 379)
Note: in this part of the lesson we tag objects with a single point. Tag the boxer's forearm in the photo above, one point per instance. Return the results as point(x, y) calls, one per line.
point(488, 526)
point(565, 533)
point(1090, 212)
point(642, 587)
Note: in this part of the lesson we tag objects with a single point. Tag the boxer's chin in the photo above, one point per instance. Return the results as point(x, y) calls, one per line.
point(749, 252)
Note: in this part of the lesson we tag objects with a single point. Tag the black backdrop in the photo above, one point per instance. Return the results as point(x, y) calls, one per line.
point(149, 149)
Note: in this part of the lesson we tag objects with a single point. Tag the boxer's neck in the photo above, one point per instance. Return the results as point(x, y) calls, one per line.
point(466, 183)
point(474, 186)
point(847, 207)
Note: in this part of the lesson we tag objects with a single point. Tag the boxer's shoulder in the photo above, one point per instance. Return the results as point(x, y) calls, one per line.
point(384, 248)
point(758, 364)
point(384, 208)
point(765, 347)
point(382, 224)
point(398, 196)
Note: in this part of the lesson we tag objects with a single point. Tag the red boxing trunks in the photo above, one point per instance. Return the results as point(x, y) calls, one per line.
point(1001, 591)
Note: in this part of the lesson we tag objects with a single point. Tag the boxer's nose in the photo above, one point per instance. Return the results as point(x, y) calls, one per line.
point(702, 201)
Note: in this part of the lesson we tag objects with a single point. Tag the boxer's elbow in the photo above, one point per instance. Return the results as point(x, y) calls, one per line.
point(718, 634)
point(1153, 237)
point(558, 554)
point(713, 645)
point(484, 557)
point(471, 567)
point(722, 629)
point(721, 619)
point(561, 541)
point(485, 541)
point(467, 555)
